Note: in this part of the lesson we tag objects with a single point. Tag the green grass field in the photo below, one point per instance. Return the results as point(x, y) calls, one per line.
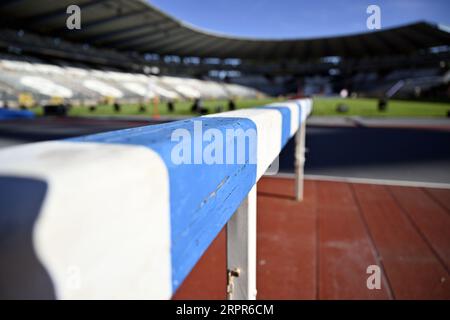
point(368, 108)
point(322, 107)
point(181, 108)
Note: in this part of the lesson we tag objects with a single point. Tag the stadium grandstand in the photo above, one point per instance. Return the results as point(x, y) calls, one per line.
point(29, 82)
point(129, 51)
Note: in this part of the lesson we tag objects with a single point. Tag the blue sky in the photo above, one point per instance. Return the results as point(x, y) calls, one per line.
point(299, 18)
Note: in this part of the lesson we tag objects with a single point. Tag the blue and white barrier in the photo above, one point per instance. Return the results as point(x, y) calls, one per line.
point(8, 114)
point(111, 215)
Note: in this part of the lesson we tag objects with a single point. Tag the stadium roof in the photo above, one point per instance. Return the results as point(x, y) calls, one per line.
point(134, 25)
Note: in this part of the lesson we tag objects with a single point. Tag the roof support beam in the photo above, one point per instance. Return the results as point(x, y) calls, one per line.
point(105, 36)
point(146, 33)
point(274, 52)
point(306, 52)
point(266, 53)
point(139, 40)
point(173, 41)
point(391, 46)
point(210, 49)
point(185, 46)
point(368, 47)
point(149, 35)
point(417, 38)
point(405, 41)
point(355, 46)
point(342, 49)
point(231, 48)
point(173, 38)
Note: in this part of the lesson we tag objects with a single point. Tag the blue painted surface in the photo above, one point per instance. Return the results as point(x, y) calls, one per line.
point(7, 114)
point(203, 197)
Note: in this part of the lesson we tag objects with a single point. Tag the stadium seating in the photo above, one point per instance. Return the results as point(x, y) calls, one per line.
point(45, 83)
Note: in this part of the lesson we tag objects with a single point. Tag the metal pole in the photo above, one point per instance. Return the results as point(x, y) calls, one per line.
point(241, 250)
point(299, 161)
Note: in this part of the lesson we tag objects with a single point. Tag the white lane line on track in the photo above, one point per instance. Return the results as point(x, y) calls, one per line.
point(404, 183)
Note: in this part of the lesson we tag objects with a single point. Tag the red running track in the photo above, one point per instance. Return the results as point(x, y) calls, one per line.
point(320, 248)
